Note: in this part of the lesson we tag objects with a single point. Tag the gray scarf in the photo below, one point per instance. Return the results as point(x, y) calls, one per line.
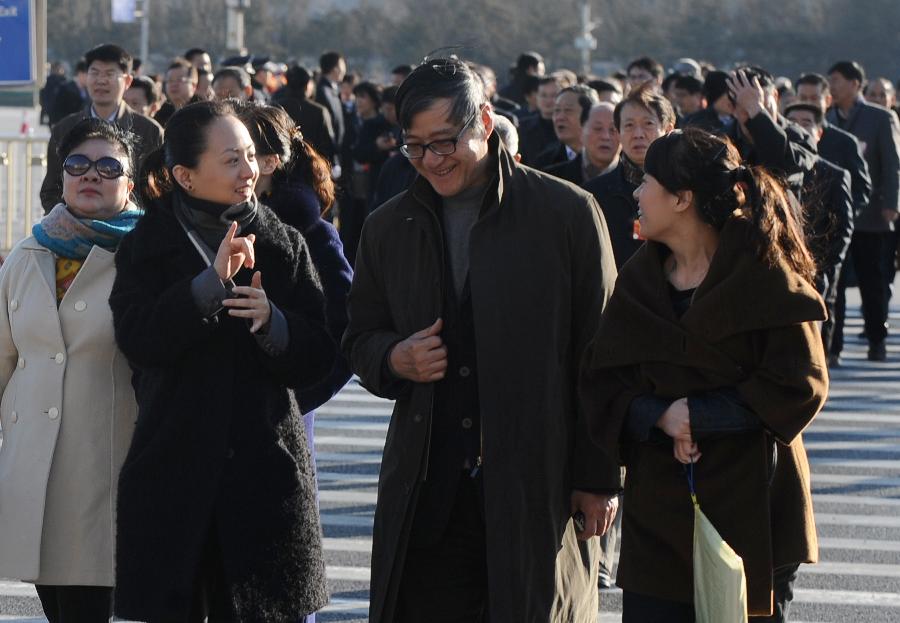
point(210, 221)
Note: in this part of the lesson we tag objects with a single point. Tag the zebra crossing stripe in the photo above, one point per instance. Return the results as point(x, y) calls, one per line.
point(854, 480)
point(871, 545)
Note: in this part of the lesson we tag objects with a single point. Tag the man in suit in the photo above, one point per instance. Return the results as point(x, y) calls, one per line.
point(571, 111)
point(872, 247)
point(108, 77)
point(328, 92)
point(313, 118)
point(836, 145)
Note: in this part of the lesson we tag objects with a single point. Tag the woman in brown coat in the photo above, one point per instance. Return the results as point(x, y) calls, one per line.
point(708, 353)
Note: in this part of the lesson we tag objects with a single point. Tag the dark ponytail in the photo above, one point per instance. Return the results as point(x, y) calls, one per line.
point(777, 230)
point(710, 167)
point(156, 179)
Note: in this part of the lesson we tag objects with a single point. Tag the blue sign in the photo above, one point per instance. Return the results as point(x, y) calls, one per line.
point(16, 41)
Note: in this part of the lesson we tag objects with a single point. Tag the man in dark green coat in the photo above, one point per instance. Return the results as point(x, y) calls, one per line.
point(475, 294)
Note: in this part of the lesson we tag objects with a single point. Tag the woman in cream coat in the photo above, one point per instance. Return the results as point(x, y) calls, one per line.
point(68, 408)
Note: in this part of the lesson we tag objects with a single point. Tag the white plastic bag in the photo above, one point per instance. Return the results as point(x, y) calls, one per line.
point(720, 587)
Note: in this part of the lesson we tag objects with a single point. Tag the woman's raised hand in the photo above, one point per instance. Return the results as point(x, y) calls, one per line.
point(253, 304)
point(234, 253)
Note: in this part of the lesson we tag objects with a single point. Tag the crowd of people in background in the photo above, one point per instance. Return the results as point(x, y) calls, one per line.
point(572, 126)
point(662, 175)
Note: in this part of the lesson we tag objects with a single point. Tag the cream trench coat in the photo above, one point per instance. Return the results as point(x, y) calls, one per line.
point(67, 416)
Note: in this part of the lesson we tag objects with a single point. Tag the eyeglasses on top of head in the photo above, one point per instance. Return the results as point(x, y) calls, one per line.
point(107, 167)
point(440, 147)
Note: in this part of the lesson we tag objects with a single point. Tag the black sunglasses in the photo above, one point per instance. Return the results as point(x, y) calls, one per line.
point(107, 167)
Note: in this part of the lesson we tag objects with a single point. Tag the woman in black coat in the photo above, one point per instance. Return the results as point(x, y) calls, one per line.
point(217, 513)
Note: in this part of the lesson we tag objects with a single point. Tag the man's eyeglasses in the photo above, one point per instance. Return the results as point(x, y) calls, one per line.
point(183, 80)
point(107, 167)
point(440, 147)
point(110, 75)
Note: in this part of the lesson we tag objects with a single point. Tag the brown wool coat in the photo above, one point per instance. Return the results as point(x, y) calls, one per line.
point(750, 327)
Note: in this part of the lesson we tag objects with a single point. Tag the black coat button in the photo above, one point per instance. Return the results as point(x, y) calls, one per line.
point(229, 453)
point(464, 371)
point(467, 423)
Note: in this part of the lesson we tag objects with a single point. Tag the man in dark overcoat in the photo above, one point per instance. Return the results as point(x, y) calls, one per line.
point(475, 294)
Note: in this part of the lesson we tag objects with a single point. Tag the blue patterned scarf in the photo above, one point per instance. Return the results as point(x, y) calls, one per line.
point(66, 235)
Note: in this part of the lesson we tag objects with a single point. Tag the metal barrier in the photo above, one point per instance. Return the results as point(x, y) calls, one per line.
point(21, 204)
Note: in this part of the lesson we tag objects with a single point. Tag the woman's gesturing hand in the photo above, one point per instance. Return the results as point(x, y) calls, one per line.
point(253, 303)
point(676, 423)
point(234, 253)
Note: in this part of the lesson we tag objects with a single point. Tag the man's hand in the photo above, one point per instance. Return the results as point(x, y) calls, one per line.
point(889, 215)
point(598, 510)
point(676, 423)
point(422, 357)
point(747, 93)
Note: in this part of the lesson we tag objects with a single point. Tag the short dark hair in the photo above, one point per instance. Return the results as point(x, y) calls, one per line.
point(92, 128)
point(649, 99)
point(648, 64)
point(351, 77)
point(817, 111)
point(438, 79)
point(148, 86)
point(530, 84)
point(183, 63)
point(528, 60)
point(604, 86)
point(690, 84)
point(298, 77)
point(110, 53)
point(551, 79)
point(193, 53)
point(851, 70)
point(669, 80)
point(239, 74)
point(329, 60)
point(371, 90)
point(81, 66)
point(766, 80)
point(817, 80)
point(587, 98)
point(136, 63)
point(402, 70)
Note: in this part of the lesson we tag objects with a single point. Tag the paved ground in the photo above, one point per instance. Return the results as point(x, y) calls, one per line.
point(854, 448)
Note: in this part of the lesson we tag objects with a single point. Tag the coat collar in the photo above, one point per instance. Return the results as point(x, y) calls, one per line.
point(124, 116)
point(834, 114)
point(739, 294)
point(97, 260)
